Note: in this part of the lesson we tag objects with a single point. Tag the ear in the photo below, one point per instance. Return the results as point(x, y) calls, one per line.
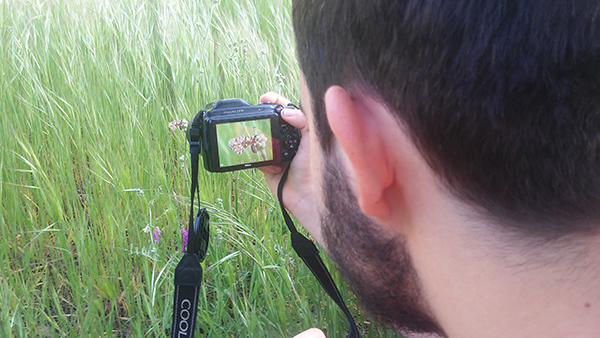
point(359, 126)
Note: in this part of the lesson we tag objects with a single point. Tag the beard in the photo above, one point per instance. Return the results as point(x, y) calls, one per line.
point(376, 265)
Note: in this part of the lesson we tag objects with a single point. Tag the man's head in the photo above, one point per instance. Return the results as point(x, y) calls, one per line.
point(501, 98)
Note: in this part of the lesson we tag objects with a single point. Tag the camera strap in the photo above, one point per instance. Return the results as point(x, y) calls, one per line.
point(188, 273)
point(309, 253)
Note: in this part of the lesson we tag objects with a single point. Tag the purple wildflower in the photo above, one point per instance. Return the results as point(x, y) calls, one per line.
point(184, 234)
point(156, 235)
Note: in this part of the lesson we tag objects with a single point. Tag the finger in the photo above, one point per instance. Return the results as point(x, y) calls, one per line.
point(273, 97)
point(295, 117)
point(271, 178)
point(271, 169)
point(312, 333)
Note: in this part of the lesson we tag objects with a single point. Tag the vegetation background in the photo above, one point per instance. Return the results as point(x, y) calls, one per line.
point(89, 171)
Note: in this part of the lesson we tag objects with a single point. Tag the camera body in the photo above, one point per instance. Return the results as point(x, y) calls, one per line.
point(234, 135)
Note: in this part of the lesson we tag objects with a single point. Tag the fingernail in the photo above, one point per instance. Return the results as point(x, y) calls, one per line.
point(287, 112)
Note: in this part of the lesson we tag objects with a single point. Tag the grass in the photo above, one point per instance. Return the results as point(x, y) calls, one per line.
point(88, 165)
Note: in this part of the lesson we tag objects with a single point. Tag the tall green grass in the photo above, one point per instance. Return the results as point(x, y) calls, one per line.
point(87, 164)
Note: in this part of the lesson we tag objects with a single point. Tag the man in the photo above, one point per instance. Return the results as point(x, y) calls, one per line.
point(450, 160)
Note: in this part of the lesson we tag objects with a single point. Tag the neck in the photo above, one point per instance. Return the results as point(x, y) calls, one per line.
point(480, 286)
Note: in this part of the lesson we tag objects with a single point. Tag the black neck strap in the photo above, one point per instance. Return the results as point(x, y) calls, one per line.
point(188, 273)
point(309, 253)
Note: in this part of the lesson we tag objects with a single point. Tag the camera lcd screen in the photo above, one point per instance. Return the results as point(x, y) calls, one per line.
point(244, 142)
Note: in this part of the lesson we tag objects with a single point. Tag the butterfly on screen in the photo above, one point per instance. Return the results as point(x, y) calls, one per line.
point(257, 143)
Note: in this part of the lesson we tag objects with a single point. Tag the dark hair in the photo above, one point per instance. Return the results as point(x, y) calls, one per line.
point(501, 97)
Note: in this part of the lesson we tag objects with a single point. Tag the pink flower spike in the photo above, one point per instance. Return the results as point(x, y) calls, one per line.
point(156, 235)
point(184, 234)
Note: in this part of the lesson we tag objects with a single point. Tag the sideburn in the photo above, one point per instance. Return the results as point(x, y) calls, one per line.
point(376, 265)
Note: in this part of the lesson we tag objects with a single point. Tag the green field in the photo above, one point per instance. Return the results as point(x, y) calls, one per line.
point(89, 169)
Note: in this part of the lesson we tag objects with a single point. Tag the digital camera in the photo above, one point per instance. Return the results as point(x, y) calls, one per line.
point(234, 135)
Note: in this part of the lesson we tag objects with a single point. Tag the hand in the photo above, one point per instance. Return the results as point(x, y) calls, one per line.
point(312, 333)
point(298, 195)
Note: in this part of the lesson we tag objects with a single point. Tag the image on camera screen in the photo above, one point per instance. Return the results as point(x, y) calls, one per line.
point(244, 142)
